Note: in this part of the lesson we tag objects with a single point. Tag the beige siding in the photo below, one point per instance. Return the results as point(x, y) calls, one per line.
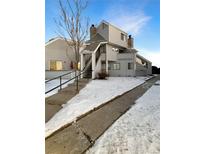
point(103, 31)
point(125, 56)
point(149, 68)
point(111, 55)
point(112, 34)
point(115, 36)
point(123, 60)
point(59, 51)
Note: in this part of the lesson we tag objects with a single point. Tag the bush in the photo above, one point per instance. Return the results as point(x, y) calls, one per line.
point(102, 75)
point(155, 70)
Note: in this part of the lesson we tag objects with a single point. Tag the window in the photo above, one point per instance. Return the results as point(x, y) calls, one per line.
point(104, 26)
point(130, 66)
point(115, 66)
point(122, 37)
point(56, 65)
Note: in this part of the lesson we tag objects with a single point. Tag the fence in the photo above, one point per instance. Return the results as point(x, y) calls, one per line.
point(72, 77)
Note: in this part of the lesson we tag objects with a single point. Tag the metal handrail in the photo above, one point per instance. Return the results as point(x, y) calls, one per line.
point(60, 85)
point(59, 76)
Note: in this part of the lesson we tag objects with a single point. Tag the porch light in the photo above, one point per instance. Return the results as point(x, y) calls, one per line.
point(115, 49)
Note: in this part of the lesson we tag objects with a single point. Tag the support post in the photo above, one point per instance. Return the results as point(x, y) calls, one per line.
point(60, 82)
point(93, 65)
point(134, 63)
point(106, 59)
point(82, 64)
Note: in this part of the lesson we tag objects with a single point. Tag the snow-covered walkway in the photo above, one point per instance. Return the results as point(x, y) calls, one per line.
point(137, 131)
point(94, 94)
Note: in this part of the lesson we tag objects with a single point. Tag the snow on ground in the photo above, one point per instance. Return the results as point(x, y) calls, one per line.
point(157, 83)
point(94, 94)
point(137, 131)
point(51, 84)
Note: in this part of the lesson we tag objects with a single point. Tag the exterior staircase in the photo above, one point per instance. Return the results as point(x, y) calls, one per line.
point(88, 68)
point(92, 58)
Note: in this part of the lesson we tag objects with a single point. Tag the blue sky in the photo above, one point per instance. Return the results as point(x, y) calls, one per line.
point(140, 18)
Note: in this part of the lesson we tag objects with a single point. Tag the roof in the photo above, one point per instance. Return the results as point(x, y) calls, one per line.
point(103, 21)
point(92, 46)
point(141, 57)
point(96, 38)
point(52, 40)
point(55, 39)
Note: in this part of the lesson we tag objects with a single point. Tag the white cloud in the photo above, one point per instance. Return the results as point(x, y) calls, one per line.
point(153, 56)
point(132, 21)
point(129, 21)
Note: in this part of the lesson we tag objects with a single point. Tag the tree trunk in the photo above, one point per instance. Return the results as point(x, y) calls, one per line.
point(72, 28)
point(76, 74)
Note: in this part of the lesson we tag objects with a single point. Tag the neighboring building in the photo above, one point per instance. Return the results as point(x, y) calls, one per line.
point(111, 50)
point(58, 55)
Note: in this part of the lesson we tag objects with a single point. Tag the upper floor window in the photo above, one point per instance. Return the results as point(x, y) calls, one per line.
point(104, 26)
point(122, 36)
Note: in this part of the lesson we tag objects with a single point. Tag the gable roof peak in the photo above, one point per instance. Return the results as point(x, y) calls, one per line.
point(108, 23)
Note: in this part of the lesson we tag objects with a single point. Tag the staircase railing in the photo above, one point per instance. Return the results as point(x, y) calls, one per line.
point(87, 63)
point(97, 56)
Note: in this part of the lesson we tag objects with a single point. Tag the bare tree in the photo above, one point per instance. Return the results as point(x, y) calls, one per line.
point(73, 27)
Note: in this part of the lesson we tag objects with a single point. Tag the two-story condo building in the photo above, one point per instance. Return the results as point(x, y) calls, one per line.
point(111, 50)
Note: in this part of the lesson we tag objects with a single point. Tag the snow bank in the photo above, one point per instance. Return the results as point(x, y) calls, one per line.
point(137, 131)
point(94, 94)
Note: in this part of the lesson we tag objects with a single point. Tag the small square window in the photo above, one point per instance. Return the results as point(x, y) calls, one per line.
point(130, 66)
point(104, 26)
point(116, 66)
point(122, 37)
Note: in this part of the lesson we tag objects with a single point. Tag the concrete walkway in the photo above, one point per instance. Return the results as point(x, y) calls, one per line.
point(54, 103)
point(78, 136)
